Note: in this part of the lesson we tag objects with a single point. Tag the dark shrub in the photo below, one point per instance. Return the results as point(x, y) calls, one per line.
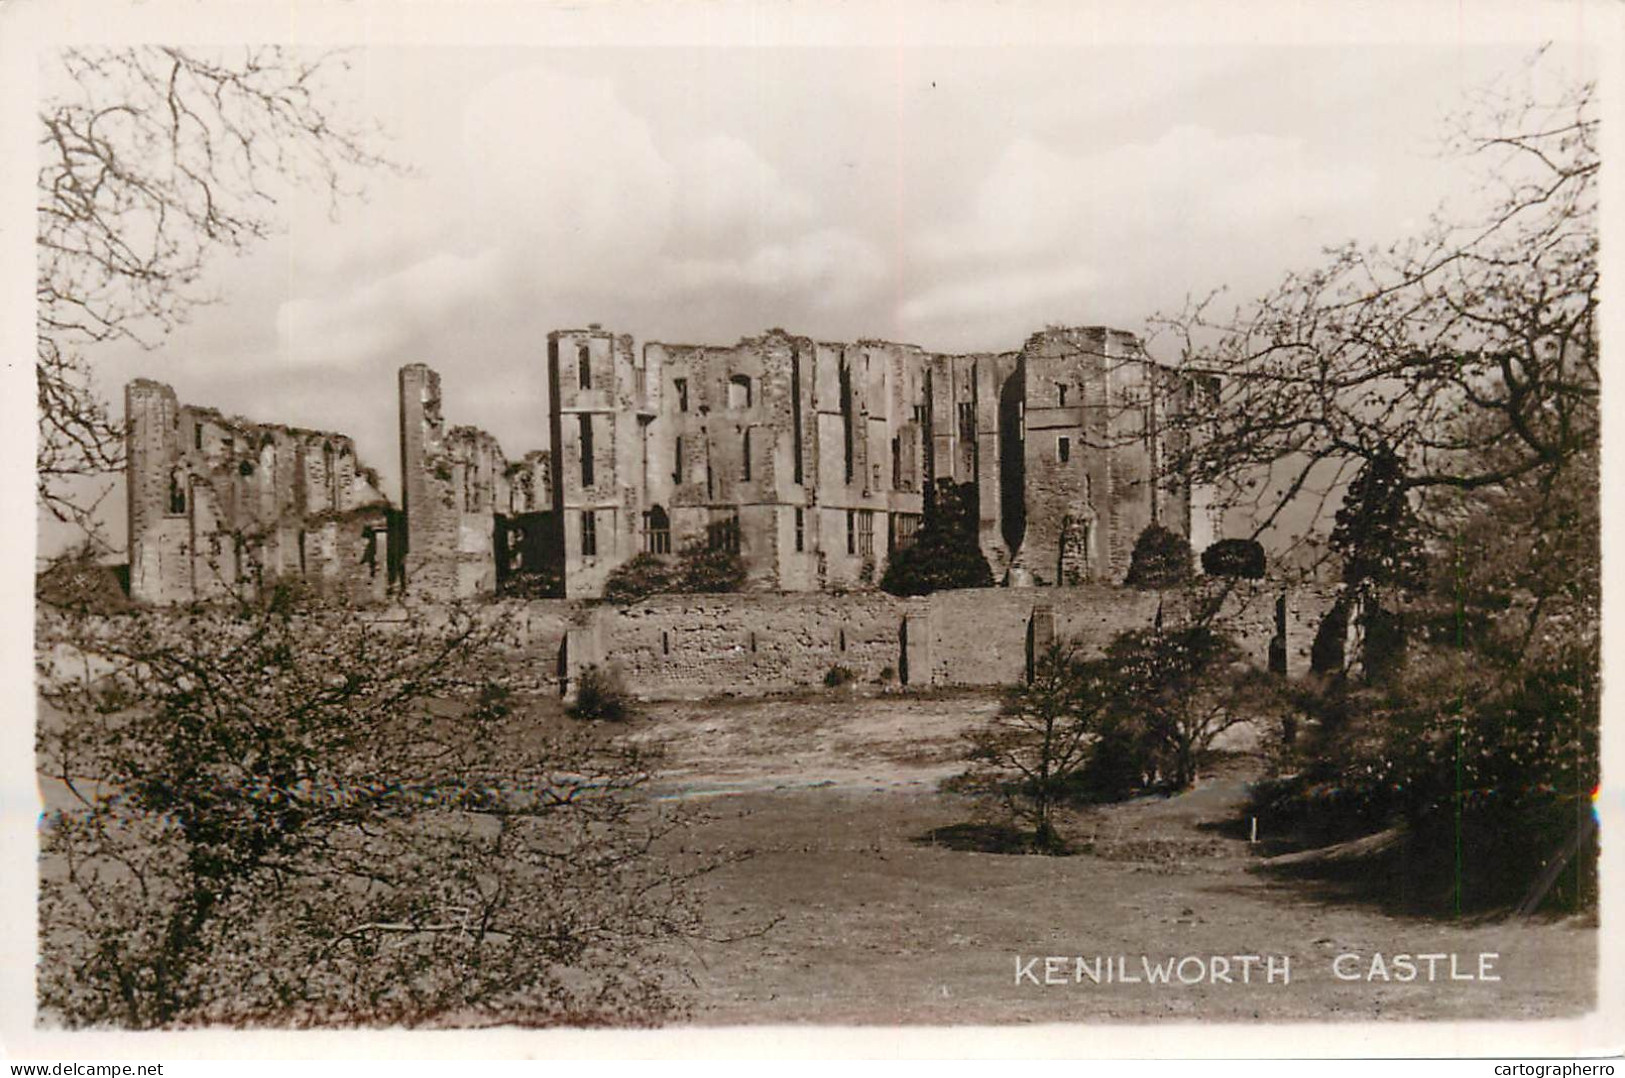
point(945, 554)
point(701, 569)
point(1243, 558)
point(838, 675)
point(643, 575)
point(599, 695)
point(1326, 653)
point(1162, 559)
point(696, 569)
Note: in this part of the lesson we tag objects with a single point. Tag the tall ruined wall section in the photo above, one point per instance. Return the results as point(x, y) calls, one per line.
point(1096, 426)
point(457, 490)
point(221, 505)
point(601, 406)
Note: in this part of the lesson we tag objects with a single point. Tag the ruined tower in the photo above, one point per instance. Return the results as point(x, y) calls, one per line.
point(599, 410)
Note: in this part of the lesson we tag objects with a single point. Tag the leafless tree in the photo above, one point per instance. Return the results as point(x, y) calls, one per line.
point(1029, 754)
point(1469, 351)
point(153, 160)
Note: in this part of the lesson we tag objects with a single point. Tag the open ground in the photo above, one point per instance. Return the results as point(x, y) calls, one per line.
point(885, 908)
point(882, 904)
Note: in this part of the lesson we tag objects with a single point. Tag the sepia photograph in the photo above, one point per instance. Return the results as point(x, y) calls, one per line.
point(629, 518)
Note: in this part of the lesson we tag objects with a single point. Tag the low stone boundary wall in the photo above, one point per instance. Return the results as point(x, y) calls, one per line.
point(695, 645)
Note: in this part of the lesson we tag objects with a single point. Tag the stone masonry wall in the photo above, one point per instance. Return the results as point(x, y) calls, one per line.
point(695, 645)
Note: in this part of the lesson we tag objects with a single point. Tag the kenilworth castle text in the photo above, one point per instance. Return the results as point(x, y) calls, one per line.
point(813, 460)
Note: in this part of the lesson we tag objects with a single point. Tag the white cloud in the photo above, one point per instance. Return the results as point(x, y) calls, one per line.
point(730, 197)
point(827, 269)
point(353, 327)
point(1191, 179)
point(556, 167)
point(1052, 234)
point(1023, 297)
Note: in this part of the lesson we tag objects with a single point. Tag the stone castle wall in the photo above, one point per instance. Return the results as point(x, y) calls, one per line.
point(696, 645)
point(811, 459)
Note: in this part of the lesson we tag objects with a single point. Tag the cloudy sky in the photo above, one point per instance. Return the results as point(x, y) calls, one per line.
point(958, 198)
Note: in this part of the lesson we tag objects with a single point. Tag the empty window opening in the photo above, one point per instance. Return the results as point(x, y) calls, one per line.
point(744, 470)
point(589, 534)
point(739, 394)
point(197, 436)
point(681, 385)
point(665, 642)
point(586, 449)
point(967, 420)
point(1063, 448)
point(919, 414)
point(330, 466)
point(177, 494)
point(1061, 388)
point(851, 531)
point(801, 530)
point(897, 463)
point(657, 531)
point(795, 410)
point(843, 640)
point(677, 461)
point(904, 527)
point(301, 554)
point(584, 365)
point(753, 643)
point(846, 416)
point(723, 534)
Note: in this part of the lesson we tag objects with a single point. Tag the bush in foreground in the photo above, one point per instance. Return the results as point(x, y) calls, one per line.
point(300, 815)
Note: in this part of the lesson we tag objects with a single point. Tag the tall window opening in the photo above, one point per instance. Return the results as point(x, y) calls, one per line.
point(851, 531)
point(589, 534)
point(586, 449)
point(681, 385)
point(584, 365)
point(677, 475)
point(795, 411)
point(1061, 388)
point(846, 416)
point(897, 463)
point(177, 494)
point(904, 527)
point(967, 420)
point(723, 533)
point(744, 470)
point(657, 531)
point(1063, 448)
point(801, 530)
point(739, 394)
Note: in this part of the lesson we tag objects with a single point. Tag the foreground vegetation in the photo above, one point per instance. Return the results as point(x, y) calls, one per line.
point(291, 813)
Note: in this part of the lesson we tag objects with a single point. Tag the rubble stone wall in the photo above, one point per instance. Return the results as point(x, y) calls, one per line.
point(696, 645)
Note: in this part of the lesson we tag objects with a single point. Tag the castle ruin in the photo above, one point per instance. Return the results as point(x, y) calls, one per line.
point(813, 460)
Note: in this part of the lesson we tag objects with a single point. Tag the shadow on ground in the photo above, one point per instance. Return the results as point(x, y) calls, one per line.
point(983, 838)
